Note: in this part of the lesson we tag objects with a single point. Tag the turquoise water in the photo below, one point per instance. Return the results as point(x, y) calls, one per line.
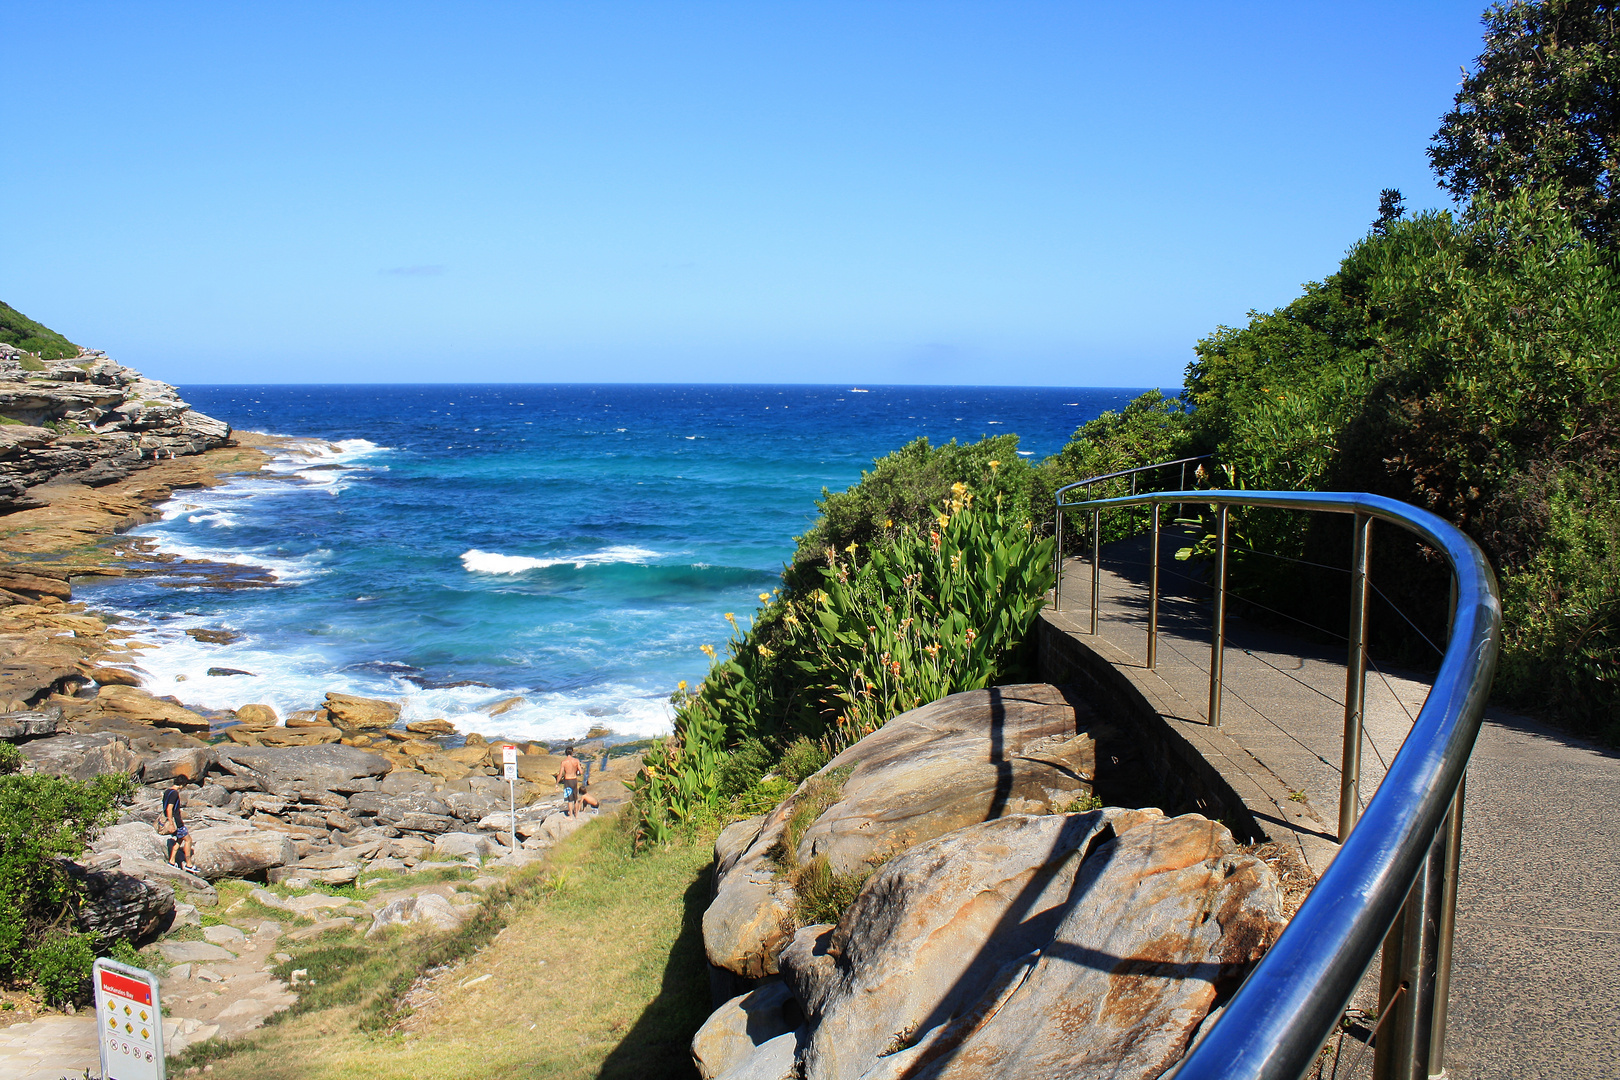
point(454, 547)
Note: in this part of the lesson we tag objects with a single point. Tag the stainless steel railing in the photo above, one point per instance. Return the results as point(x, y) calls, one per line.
point(1393, 881)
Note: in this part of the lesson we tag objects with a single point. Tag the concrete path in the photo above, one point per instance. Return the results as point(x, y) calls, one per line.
point(1536, 977)
point(50, 1048)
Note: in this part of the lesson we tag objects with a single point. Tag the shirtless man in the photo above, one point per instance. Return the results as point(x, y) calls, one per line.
point(571, 777)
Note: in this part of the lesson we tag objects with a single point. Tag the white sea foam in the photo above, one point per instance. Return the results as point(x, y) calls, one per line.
point(491, 562)
point(289, 677)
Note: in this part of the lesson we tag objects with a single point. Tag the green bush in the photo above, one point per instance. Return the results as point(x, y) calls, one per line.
point(60, 964)
point(920, 613)
point(26, 334)
point(43, 820)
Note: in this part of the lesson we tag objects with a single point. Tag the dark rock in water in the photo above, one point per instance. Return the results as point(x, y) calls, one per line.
point(386, 667)
point(214, 637)
point(220, 671)
point(443, 684)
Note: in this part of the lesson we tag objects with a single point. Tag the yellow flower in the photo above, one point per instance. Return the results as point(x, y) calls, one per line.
point(994, 465)
point(888, 523)
point(764, 597)
point(763, 651)
point(708, 650)
point(959, 489)
point(731, 618)
point(852, 547)
point(943, 521)
point(681, 686)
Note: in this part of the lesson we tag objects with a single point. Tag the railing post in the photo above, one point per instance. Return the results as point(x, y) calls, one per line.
point(1096, 563)
point(1057, 574)
point(1355, 681)
point(1448, 928)
point(1153, 593)
point(1407, 982)
point(1217, 639)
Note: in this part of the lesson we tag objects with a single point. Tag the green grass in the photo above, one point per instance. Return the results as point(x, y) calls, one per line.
point(26, 334)
point(598, 971)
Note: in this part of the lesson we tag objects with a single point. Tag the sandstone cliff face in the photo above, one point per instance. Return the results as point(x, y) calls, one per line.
point(89, 420)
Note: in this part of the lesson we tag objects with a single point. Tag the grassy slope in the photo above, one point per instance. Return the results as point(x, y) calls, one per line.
point(602, 976)
point(19, 330)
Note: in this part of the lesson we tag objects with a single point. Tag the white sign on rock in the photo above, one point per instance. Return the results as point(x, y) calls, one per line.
point(509, 759)
point(129, 1018)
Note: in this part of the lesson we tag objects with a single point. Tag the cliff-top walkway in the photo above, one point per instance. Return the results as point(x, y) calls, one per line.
point(1535, 988)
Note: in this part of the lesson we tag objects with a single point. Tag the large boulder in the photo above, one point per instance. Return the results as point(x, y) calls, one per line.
point(135, 704)
point(735, 1030)
point(80, 757)
point(227, 851)
point(970, 956)
point(187, 763)
point(121, 905)
point(348, 711)
point(299, 770)
point(964, 759)
point(424, 909)
point(462, 845)
point(257, 717)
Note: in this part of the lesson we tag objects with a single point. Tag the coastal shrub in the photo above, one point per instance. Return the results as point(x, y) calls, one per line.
point(60, 964)
point(921, 613)
point(802, 759)
point(1466, 364)
point(821, 894)
point(26, 334)
point(44, 820)
point(1150, 429)
point(904, 488)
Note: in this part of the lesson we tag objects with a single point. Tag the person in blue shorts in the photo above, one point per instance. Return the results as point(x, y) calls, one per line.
point(571, 776)
point(180, 850)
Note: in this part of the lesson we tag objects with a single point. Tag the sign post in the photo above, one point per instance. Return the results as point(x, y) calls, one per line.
point(509, 759)
point(129, 1019)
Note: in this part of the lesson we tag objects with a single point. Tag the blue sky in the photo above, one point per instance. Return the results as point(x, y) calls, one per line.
point(993, 193)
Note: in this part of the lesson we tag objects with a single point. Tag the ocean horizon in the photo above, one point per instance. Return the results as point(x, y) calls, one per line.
point(533, 560)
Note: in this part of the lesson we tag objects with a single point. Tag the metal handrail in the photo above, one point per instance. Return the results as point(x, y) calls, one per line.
point(1397, 866)
point(1088, 481)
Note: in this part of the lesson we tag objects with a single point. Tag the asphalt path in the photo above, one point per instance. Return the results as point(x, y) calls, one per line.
point(1536, 970)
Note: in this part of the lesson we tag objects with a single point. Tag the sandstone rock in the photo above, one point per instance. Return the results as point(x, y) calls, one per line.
point(442, 766)
point(121, 905)
point(132, 840)
point(964, 759)
point(257, 717)
point(133, 704)
point(431, 727)
point(192, 952)
point(214, 637)
point(81, 757)
point(429, 909)
point(242, 736)
point(297, 770)
point(1157, 921)
point(775, 1059)
point(349, 711)
point(502, 706)
point(461, 845)
point(111, 676)
point(405, 782)
point(424, 823)
point(223, 934)
point(188, 763)
point(185, 915)
point(313, 735)
point(29, 724)
point(218, 853)
point(736, 1029)
point(34, 585)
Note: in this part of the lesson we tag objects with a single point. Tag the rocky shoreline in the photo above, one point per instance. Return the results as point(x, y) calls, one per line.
point(88, 450)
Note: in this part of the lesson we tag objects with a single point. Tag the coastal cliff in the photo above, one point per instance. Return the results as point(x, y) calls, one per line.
point(89, 420)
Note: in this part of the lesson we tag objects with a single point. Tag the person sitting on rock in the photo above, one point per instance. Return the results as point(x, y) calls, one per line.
point(570, 776)
point(180, 847)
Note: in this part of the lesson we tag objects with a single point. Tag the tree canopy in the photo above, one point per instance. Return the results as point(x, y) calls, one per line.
point(1540, 109)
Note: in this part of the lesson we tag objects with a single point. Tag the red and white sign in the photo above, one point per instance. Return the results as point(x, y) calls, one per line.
point(129, 1017)
point(509, 759)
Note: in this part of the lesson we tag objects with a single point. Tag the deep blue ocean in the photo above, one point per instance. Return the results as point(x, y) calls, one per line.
point(457, 546)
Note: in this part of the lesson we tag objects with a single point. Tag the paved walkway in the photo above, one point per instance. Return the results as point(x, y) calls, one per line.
point(1536, 976)
point(50, 1048)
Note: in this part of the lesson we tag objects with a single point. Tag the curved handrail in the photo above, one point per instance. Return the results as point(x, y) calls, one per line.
point(1286, 1009)
point(1130, 472)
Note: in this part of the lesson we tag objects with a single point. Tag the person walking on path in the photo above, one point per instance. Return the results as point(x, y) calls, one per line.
point(173, 818)
point(571, 776)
